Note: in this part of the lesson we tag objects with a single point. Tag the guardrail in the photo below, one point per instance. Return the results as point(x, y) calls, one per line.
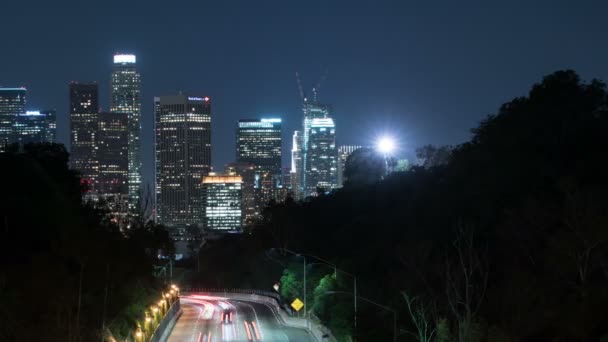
point(273, 300)
point(166, 325)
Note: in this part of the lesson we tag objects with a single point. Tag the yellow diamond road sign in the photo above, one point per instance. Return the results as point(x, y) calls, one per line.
point(297, 304)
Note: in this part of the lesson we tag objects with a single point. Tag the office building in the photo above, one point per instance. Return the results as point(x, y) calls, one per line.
point(222, 198)
point(247, 173)
point(182, 141)
point(35, 127)
point(296, 165)
point(312, 111)
point(84, 109)
point(259, 143)
point(12, 104)
point(125, 98)
point(343, 152)
point(113, 162)
point(322, 169)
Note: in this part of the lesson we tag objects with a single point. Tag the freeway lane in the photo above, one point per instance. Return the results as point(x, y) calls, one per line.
point(212, 319)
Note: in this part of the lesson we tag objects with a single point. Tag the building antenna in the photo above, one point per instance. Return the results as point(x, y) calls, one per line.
point(302, 97)
point(317, 86)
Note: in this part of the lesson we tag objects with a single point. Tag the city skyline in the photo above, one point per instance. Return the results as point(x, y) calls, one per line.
point(389, 86)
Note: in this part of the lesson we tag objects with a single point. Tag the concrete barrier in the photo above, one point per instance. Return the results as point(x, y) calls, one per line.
point(165, 327)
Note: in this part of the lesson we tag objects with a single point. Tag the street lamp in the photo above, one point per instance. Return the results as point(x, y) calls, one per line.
point(372, 302)
point(385, 145)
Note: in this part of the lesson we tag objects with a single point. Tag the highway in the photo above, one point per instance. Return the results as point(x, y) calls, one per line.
point(207, 318)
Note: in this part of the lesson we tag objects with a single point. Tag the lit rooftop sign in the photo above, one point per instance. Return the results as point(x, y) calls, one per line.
point(33, 112)
point(124, 59)
point(274, 120)
point(194, 98)
point(322, 122)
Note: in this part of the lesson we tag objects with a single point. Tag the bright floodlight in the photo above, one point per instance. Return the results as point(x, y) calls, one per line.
point(386, 145)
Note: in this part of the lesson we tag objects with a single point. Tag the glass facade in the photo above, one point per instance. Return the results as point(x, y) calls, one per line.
point(182, 142)
point(222, 198)
point(343, 152)
point(248, 202)
point(125, 99)
point(84, 109)
point(35, 127)
point(322, 156)
point(112, 153)
point(259, 143)
point(12, 104)
point(318, 159)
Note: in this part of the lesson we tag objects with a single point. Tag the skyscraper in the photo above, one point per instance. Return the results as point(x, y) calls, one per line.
point(222, 202)
point(83, 129)
point(12, 103)
point(296, 165)
point(247, 173)
point(259, 143)
point(182, 144)
point(112, 155)
point(322, 156)
point(343, 152)
point(35, 127)
point(125, 82)
point(313, 172)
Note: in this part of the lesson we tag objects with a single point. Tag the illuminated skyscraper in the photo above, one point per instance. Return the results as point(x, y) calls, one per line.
point(296, 165)
point(222, 202)
point(313, 173)
point(12, 104)
point(112, 156)
point(182, 141)
point(259, 143)
point(322, 169)
point(83, 129)
point(35, 127)
point(125, 81)
point(247, 173)
point(343, 152)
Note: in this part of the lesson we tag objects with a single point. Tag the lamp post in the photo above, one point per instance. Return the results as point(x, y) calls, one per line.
point(336, 269)
point(372, 302)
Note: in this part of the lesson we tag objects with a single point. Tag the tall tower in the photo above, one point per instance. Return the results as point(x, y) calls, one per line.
point(84, 108)
point(322, 156)
point(312, 111)
point(125, 82)
point(296, 165)
point(182, 142)
point(258, 142)
point(12, 104)
point(34, 127)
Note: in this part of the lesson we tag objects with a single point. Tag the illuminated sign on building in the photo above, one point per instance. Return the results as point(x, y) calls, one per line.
point(124, 59)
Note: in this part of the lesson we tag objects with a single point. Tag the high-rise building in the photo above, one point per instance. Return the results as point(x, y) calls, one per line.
point(258, 142)
point(182, 141)
point(247, 173)
point(84, 109)
point(296, 165)
point(312, 110)
point(222, 198)
point(343, 152)
point(12, 104)
point(112, 155)
point(322, 169)
point(35, 127)
point(125, 82)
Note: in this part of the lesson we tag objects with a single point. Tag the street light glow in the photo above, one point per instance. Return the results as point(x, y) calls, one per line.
point(385, 145)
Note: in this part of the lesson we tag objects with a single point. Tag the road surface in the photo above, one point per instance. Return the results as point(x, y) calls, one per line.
point(212, 319)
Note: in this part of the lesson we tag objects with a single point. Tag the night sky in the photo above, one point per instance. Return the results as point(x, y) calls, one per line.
point(422, 71)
